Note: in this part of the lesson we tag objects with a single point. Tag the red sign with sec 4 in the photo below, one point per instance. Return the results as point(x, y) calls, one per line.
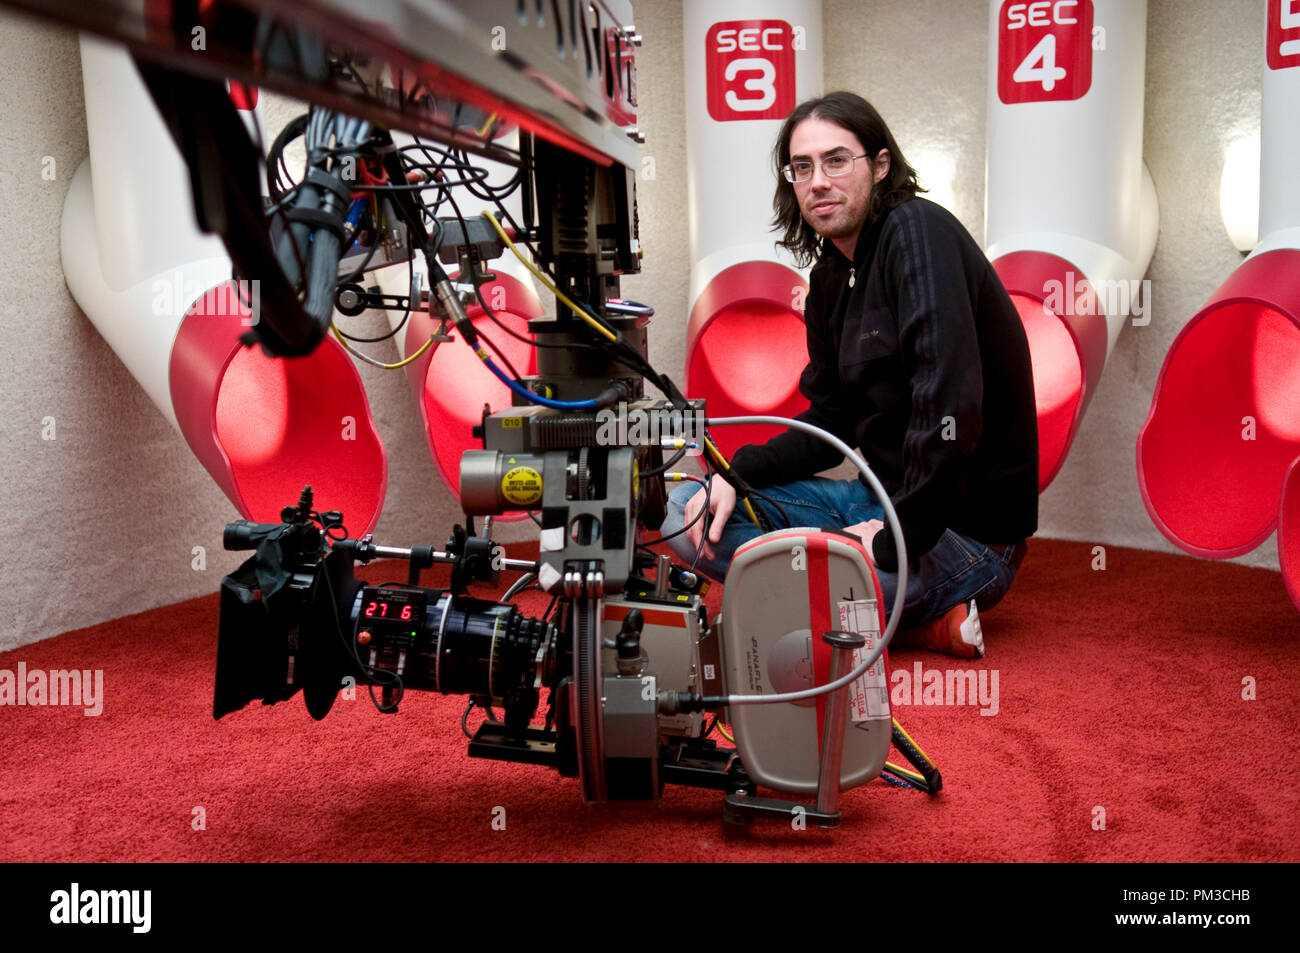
point(749, 70)
point(1044, 50)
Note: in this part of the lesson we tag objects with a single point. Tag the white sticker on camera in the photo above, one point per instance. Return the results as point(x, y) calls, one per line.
point(869, 692)
point(547, 577)
point(552, 540)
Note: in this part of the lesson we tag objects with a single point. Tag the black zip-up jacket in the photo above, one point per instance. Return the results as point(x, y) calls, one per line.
point(917, 356)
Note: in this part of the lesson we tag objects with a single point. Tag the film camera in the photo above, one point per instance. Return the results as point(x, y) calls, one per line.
point(627, 675)
point(621, 682)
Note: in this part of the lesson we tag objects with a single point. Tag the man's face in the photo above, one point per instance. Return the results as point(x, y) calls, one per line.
point(835, 206)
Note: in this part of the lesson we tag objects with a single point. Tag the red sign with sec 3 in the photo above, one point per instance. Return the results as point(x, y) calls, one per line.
point(1044, 50)
point(749, 70)
point(1283, 40)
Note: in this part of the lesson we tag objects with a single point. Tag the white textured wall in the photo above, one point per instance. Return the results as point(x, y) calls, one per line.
point(101, 521)
point(923, 63)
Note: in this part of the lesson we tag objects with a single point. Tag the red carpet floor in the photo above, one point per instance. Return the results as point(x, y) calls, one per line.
point(1120, 699)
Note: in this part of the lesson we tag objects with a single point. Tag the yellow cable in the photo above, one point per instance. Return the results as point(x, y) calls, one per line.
point(482, 133)
point(911, 774)
point(908, 739)
point(725, 733)
point(719, 458)
point(370, 360)
point(546, 281)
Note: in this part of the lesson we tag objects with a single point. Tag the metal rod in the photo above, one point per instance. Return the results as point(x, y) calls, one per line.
point(399, 552)
point(832, 754)
point(662, 562)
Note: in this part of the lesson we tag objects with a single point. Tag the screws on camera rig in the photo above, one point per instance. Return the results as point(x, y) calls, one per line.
point(302, 512)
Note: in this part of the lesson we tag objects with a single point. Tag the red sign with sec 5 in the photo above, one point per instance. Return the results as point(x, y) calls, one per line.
point(1044, 50)
point(749, 70)
point(1283, 34)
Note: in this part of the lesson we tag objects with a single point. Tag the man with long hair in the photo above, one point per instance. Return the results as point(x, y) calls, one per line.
point(917, 356)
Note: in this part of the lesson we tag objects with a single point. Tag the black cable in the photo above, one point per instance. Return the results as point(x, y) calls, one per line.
point(261, 142)
point(665, 467)
point(292, 130)
point(479, 294)
point(646, 544)
point(361, 268)
point(464, 720)
point(475, 181)
point(495, 350)
point(575, 345)
point(315, 515)
point(623, 349)
point(408, 187)
point(312, 239)
point(704, 533)
point(774, 504)
point(479, 335)
point(479, 179)
point(275, 156)
point(628, 354)
point(744, 491)
point(490, 193)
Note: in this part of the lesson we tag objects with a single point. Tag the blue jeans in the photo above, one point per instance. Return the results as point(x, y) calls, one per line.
point(956, 570)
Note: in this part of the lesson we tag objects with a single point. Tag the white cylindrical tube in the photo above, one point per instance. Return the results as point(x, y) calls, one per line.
point(747, 64)
point(1279, 129)
point(1071, 215)
point(160, 293)
point(1218, 458)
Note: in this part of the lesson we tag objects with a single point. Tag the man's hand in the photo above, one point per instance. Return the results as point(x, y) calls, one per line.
point(722, 501)
point(867, 531)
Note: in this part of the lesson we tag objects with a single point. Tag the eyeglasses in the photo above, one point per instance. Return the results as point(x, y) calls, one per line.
point(801, 170)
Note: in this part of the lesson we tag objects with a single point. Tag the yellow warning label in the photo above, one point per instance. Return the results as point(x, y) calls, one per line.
point(512, 423)
point(522, 486)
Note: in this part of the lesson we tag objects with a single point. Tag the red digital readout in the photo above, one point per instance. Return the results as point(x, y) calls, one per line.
point(377, 609)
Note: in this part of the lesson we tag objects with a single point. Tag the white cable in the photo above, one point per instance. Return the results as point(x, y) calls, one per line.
point(516, 587)
point(891, 518)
